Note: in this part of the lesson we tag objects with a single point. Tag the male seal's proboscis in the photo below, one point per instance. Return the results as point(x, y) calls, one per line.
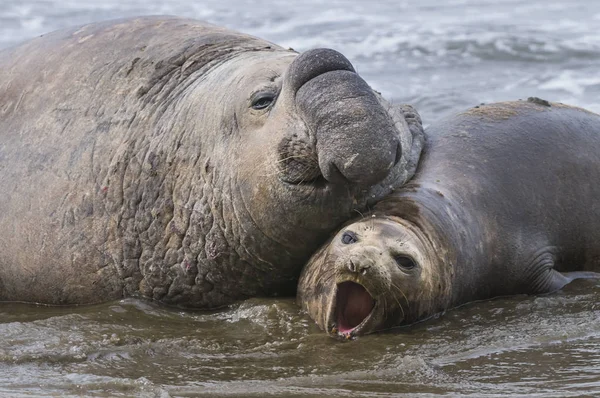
point(506, 200)
point(182, 162)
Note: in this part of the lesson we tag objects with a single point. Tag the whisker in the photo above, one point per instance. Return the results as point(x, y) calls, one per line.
point(269, 162)
point(293, 157)
point(401, 292)
point(399, 304)
point(401, 308)
point(405, 298)
point(361, 215)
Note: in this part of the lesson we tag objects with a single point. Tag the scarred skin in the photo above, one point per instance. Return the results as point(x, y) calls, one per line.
point(505, 201)
point(174, 160)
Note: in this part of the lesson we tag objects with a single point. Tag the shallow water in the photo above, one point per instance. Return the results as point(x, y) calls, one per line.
point(534, 346)
point(439, 56)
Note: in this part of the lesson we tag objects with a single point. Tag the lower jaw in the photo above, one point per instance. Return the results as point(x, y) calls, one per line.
point(351, 310)
point(363, 328)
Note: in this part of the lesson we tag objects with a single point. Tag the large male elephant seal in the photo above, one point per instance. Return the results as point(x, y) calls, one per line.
point(181, 162)
point(505, 201)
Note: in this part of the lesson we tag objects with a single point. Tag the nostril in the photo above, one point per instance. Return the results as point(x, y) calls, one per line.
point(351, 266)
point(358, 267)
point(332, 173)
point(398, 154)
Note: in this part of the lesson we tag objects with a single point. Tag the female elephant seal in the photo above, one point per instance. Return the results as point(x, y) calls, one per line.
point(505, 201)
point(182, 162)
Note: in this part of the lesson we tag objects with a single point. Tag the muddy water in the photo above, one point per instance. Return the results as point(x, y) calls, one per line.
point(534, 346)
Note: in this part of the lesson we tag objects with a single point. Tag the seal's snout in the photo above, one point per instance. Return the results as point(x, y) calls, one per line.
point(358, 267)
point(313, 63)
point(357, 141)
point(353, 306)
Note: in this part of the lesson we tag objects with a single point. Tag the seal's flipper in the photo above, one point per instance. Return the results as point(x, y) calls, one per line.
point(554, 280)
point(571, 276)
point(541, 275)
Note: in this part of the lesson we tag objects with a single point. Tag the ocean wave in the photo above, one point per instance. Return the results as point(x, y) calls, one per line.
point(425, 29)
point(457, 46)
point(441, 55)
point(572, 82)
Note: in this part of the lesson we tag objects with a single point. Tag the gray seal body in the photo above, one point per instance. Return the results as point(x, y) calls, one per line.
point(182, 162)
point(505, 201)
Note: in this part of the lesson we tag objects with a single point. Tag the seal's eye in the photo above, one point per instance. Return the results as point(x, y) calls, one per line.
point(349, 237)
point(405, 262)
point(263, 100)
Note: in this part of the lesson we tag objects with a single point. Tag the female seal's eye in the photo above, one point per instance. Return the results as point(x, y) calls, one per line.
point(349, 237)
point(263, 101)
point(405, 262)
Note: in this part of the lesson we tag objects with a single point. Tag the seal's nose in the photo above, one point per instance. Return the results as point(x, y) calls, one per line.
point(356, 139)
point(362, 170)
point(358, 267)
point(313, 63)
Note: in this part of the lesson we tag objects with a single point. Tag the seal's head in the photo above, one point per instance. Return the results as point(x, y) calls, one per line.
point(374, 274)
point(297, 143)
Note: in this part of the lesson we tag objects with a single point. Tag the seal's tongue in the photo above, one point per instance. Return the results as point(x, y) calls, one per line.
point(353, 305)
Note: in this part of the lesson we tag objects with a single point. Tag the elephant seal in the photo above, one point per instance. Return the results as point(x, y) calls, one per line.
point(178, 161)
point(504, 201)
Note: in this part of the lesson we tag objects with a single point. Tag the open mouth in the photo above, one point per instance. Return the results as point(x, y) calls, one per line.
point(353, 307)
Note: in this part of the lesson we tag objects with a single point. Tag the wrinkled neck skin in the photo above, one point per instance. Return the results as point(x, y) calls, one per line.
point(182, 200)
point(457, 241)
